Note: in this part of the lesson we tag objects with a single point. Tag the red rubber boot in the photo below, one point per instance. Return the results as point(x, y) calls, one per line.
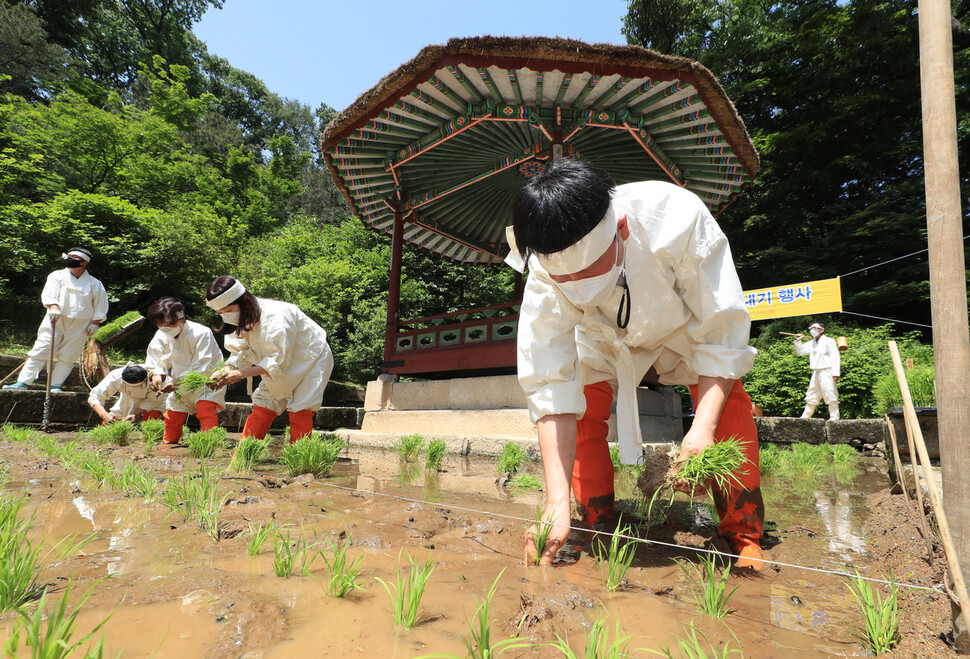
point(173, 426)
point(258, 422)
point(593, 470)
point(208, 414)
point(301, 424)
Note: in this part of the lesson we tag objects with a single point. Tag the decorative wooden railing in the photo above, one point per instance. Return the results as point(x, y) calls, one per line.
point(464, 343)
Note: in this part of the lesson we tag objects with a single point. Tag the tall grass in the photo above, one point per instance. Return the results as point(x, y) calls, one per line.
point(511, 458)
point(203, 444)
point(408, 591)
point(409, 447)
point(598, 643)
point(434, 455)
point(313, 454)
point(250, 451)
point(49, 634)
point(880, 631)
point(920, 380)
point(615, 561)
point(706, 587)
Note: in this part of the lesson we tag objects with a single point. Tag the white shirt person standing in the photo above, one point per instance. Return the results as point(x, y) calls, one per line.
point(825, 362)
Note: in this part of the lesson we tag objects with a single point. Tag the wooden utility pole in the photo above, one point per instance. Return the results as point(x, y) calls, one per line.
point(948, 286)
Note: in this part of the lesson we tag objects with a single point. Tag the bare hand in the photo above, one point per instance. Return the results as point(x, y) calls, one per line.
point(110, 417)
point(559, 518)
point(131, 417)
point(228, 377)
point(695, 441)
point(799, 337)
point(835, 378)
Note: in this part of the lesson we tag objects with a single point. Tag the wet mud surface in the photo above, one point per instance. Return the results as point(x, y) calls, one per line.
point(172, 591)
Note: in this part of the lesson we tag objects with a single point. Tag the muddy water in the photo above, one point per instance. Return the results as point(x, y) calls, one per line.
point(172, 591)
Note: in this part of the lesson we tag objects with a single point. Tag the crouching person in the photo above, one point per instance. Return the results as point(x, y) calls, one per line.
point(136, 400)
point(278, 342)
point(622, 279)
point(180, 346)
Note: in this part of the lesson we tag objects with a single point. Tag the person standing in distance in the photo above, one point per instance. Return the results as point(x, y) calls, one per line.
point(826, 364)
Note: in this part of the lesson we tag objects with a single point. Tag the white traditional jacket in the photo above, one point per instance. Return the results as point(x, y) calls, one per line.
point(78, 297)
point(194, 349)
point(687, 319)
point(294, 352)
point(132, 396)
point(822, 354)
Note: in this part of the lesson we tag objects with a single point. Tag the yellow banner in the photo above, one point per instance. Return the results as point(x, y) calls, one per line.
point(811, 297)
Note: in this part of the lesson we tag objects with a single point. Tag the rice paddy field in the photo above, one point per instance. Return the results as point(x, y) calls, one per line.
point(125, 547)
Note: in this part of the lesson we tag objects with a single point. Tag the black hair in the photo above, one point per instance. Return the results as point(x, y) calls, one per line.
point(249, 311)
point(556, 208)
point(83, 250)
point(166, 311)
point(134, 374)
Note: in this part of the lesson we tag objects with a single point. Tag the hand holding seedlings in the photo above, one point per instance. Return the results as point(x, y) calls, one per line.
point(695, 441)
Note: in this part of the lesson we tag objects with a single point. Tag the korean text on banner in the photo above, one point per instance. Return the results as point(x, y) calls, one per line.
point(811, 297)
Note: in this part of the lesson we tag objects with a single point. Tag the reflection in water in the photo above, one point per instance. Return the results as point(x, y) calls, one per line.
point(432, 486)
point(86, 510)
point(836, 511)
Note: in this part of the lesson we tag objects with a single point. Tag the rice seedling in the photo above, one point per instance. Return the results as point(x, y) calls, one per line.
point(70, 454)
point(151, 432)
point(118, 433)
point(203, 444)
point(706, 587)
point(880, 615)
point(49, 634)
point(250, 451)
point(190, 383)
point(769, 459)
point(4, 473)
point(285, 552)
point(525, 482)
point(313, 454)
point(436, 451)
point(540, 532)
point(109, 329)
point(615, 561)
point(511, 458)
point(598, 643)
point(341, 573)
point(689, 646)
point(618, 466)
point(479, 640)
point(409, 447)
point(208, 505)
point(178, 496)
point(257, 537)
point(716, 465)
point(13, 433)
point(97, 465)
point(408, 591)
point(137, 481)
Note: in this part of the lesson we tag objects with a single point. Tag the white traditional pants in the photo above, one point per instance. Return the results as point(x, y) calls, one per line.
point(69, 339)
point(821, 386)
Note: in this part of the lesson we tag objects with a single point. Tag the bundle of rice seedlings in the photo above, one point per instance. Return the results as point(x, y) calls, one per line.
point(512, 457)
point(409, 447)
point(313, 454)
point(436, 451)
point(525, 482)
point(203, 444)
point(151, 431)
point(249, 452)
point(191, 382)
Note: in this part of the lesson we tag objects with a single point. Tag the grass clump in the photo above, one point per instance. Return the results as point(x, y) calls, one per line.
point(511, 458)
point(151, 431)
point(615, 561)
point(203, 444)
point(707, 589)
point(598, 643)
point(409, 447)
point(809, 462)
point(525, 482)
point(191, 382)
point(920, 379)
point(250, 451)
point(313, 454)
point(880, 615)
point(285, 552)
point(436, 451)
point(49, 634)
point(408, 591)
point(118, 433)
point(97, 465)
point(17, 434)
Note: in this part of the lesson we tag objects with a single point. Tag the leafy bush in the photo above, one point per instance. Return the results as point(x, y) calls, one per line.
point(779, 377)
point(920, 379)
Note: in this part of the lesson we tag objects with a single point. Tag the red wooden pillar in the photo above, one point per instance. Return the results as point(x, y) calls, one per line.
point(394, 288)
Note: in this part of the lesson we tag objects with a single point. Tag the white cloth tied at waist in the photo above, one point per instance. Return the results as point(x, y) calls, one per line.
point(613, 347)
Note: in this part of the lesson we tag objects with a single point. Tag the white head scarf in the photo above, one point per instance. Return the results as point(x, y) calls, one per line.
point(575, 258)
point(234, 292)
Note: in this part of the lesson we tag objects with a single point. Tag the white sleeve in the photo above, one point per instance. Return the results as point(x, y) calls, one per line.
point(709, 286)
point(240, 356)
point(835, 357)
point(801, 348)
point(547, 355)
point(100, 301)
point(52, 290)
point(160, 354)
point(105, 389)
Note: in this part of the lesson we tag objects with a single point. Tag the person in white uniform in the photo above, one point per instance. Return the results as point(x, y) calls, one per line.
point(622, 279)
point(76, 304)
point(136, 400)
point(281, 344)
point(826, 364)
point(179, 346)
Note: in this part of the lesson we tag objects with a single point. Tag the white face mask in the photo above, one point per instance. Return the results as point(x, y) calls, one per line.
point(230, 317)
point(591, 291)
point(171, 332)
point(815, 333)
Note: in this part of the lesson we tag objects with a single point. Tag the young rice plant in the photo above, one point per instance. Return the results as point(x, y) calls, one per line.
point(313, 454)
point(598, 643)
point(250, 451)
point(409, 447)
point(706, 587)
point(408, 591)
point(203, 444)
point(615, 562)
point(436, 451)
point(511, 458)
point(880, 615)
